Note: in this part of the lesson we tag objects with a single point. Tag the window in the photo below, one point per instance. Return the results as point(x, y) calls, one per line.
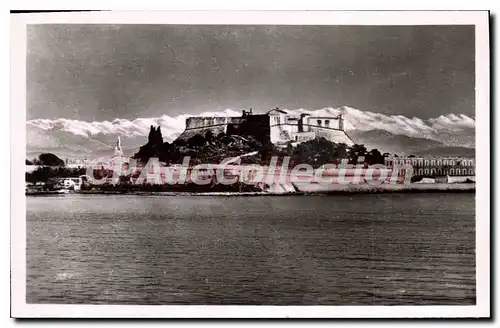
point(452, 163)
point(438, 163)
point(319, 122)
point(420, 171)
point(426, 163)
point(327, 122)
point(471, 172)
point(471, 163)
point(439, 171)
point(445, 162)
point(426, 171)
point(464, 171)
point(433, 162)
point(452, 172)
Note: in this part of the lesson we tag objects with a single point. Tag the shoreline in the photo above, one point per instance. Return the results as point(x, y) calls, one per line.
point(312, 190)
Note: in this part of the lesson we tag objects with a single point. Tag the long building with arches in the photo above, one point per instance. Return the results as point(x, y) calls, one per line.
point(436, 166)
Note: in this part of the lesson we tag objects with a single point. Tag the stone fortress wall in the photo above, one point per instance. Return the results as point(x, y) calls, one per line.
point(277, 126)
point(201, 125)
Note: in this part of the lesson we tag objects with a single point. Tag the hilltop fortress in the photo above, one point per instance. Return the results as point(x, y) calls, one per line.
point(276, 126)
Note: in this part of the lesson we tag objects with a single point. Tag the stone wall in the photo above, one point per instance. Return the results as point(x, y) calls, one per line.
point(251, 125)
point(277, 127)
point(216, 130)
point(283, 133)
point(201, 125)
point(201, 122)
point(332, 135)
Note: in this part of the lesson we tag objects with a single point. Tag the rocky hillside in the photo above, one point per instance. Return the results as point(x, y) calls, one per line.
point(209, 148)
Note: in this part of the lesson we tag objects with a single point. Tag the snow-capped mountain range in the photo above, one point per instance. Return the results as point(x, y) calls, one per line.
point(391, 133)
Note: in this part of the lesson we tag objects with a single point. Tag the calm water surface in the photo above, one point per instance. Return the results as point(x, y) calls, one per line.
point(331, 250)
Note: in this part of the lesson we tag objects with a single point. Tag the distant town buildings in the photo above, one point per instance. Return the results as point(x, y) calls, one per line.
point(436, 166)
point(105, 161)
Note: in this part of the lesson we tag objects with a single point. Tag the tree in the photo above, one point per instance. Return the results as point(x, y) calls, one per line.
point(226, 140)
point(196, 141)
point(46, 174)
point(29, 162)
point(49, 159)
point(266, 151)
point(340, 152)
point(151, 134)
point(355, 152)
point(375, 157)
point(209, 136)
point(158, 138)
point(42, 174)
point(153, 148)
point(145, 153)
point(179, 142)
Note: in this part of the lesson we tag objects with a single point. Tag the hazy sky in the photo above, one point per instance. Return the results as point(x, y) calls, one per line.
point(102, 72)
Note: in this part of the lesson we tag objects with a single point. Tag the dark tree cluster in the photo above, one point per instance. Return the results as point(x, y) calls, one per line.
point(153, 147)
point(155, 138)
point(46, 174)
point(321, 151)
point(46, 159)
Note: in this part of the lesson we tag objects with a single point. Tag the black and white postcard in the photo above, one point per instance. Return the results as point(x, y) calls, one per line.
point(250, 164)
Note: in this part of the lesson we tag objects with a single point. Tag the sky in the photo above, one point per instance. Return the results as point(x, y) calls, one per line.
point(103, 72)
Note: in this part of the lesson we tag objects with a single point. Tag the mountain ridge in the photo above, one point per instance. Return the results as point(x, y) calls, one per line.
point(452, 130)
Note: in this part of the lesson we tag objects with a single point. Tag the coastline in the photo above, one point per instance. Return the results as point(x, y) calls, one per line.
point(306, 190)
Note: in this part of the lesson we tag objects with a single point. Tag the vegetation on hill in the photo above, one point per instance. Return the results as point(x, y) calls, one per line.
point(200, 148)
point(210, 148)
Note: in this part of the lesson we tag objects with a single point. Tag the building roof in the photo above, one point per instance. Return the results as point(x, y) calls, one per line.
point(276, 110)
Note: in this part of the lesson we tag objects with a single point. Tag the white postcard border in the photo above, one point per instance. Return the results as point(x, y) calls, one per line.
point(19, 307)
